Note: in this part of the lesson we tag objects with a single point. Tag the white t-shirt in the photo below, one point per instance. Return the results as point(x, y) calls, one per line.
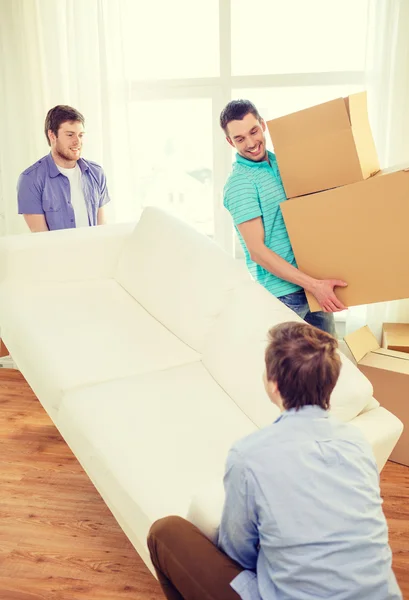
point(77, 195)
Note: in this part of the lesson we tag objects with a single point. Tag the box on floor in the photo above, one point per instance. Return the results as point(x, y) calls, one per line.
point(395, 336)
point(388, 371)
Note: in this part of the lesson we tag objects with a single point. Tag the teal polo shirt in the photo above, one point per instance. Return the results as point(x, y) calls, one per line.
point(255, 189)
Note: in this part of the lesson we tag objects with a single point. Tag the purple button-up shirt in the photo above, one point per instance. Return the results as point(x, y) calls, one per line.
point(43, 190)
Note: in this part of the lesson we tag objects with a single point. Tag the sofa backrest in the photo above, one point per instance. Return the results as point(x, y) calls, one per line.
point(234, 355)
point(181, 277)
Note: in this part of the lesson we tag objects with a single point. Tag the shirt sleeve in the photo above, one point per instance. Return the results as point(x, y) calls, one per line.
point(238, 533)
point(103, 195)
point(241, 199)
point(29, 196)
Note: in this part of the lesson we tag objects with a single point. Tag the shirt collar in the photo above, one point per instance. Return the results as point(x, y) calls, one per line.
point(53, 169)
point(251, 163)
point(305, 412)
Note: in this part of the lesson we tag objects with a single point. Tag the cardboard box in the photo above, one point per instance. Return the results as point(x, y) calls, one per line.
point(3, 349)
point(325, 146)
point(388, 371)
point(395, 336)
point(357, 233)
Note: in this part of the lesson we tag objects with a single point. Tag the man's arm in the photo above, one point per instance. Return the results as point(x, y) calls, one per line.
point(36, 223)
point(238, 533)
point(253, 235)
point(30, 205)
point(101, 217)
point(103, 190)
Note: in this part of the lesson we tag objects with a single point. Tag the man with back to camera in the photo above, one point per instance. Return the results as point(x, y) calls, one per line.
point(253, 194)
point(302, 516)
point(63, 190)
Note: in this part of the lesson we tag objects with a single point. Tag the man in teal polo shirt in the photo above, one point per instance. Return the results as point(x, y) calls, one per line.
point(253, 194)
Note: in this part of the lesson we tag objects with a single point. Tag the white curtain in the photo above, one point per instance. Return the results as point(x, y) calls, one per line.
point(387, 75)
point(63, 52)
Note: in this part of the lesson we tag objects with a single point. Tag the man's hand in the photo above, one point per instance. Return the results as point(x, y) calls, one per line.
point(323, 290)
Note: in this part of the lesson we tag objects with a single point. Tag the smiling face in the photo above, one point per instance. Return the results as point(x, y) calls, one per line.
point(67, 144)
point(247, 136)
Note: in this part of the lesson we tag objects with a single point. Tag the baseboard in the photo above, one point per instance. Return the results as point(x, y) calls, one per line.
point(6, 362)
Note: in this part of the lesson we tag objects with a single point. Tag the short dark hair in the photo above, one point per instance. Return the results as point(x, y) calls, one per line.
point(304, 362)
point(58, 115)
point(236, 110)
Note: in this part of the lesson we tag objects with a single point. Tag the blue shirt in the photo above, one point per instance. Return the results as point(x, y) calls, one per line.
point(303, 513)
point(43, 190)
point(255, 189)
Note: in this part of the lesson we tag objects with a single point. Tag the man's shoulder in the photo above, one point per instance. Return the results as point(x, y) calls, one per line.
point(347, 431)
point(93, 166)
point(38, 166)
point(240, 172)
point(240, 177)
point(252, 443)
point(287, 437)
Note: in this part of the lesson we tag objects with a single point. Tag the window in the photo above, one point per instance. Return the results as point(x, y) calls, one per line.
point(284, 56)
point(297, 36)
point(276, 102)
point(171, 40)
point(172, 152)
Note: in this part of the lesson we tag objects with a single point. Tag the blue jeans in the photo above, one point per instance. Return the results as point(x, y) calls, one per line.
point(297, 301)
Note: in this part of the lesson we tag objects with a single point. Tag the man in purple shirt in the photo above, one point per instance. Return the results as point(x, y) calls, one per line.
point(62, 190)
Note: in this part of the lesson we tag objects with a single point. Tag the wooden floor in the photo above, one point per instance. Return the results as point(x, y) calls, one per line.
point(58, 541)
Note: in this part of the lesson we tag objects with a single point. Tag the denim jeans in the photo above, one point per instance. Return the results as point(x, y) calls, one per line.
point(297, 301)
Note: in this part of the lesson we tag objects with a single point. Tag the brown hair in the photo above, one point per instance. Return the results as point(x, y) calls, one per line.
point(236, 110)
point(304, 362)
point(58, 115)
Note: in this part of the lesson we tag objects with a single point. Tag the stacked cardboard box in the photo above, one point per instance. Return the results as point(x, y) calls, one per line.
point(346, 219)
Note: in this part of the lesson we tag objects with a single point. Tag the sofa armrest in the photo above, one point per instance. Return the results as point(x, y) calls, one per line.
point(64, 255)
point(382, 430)
point(205, 510)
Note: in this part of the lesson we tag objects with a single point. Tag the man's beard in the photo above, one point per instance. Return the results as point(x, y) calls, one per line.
point(65, 156)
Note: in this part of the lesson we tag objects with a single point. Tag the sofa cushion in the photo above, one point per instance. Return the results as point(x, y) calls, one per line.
point(234, 349)
point(66, 335)
point(206, 508)
point(234, 355)
point(151, 441)
point(352, 393)
point(180, 276)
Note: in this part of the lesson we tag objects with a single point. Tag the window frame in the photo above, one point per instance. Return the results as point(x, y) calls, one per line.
point(219, 91)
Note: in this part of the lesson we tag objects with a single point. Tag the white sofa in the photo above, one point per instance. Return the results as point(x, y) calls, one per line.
point(145, 346)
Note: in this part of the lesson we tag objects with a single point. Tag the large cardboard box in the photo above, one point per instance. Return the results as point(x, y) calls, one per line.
point(324, 146)
point(388, 371)
point(395, 336)
point(358, 233)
